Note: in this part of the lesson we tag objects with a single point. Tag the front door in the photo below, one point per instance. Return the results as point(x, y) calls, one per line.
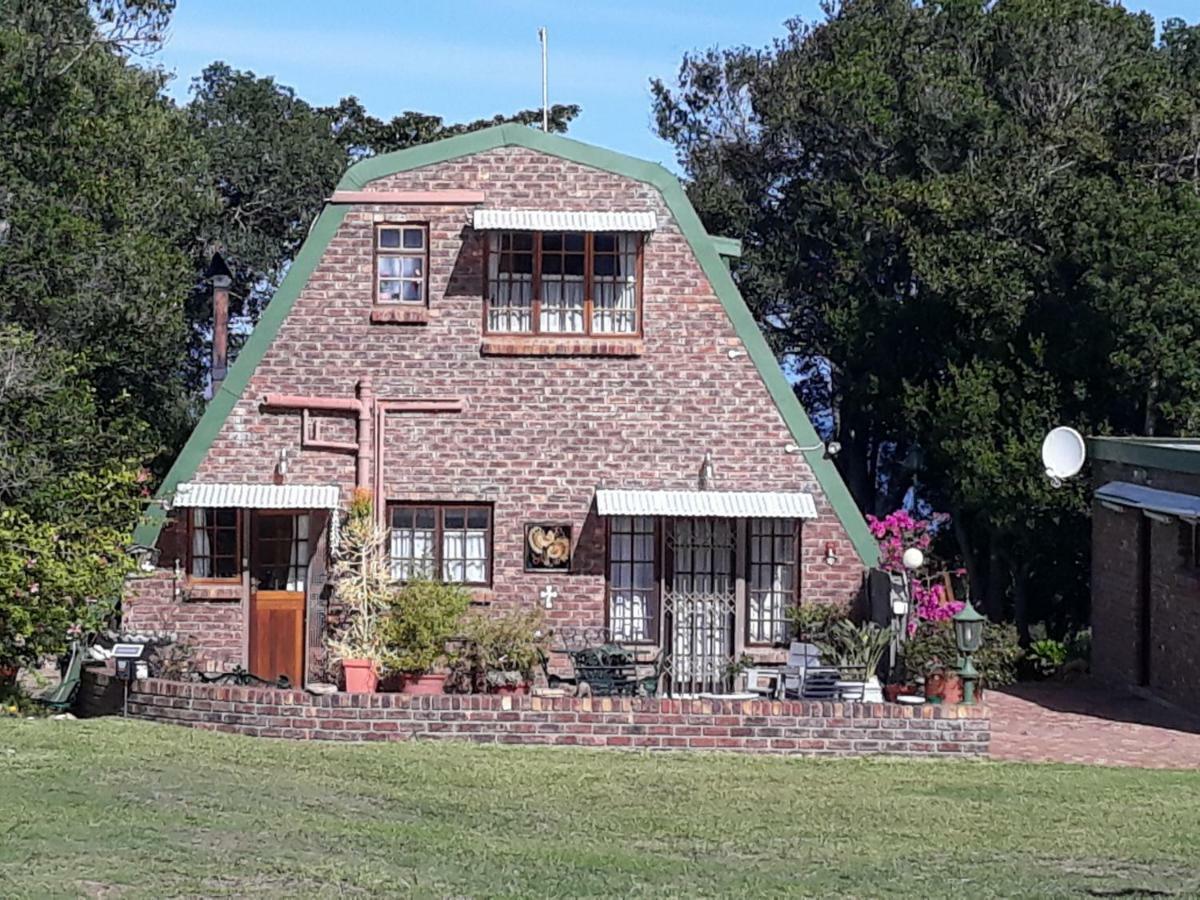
point(699, 605)
point(278, 578)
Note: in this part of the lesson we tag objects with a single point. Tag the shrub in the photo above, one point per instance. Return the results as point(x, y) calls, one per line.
point(1046, 657)
point(856, 647)
point(423, 617)
point(811, 621)
point(363, 588)
point(498, 650)
point(934, 644)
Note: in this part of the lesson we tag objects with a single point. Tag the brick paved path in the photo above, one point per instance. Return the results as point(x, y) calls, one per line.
point(1082, 723)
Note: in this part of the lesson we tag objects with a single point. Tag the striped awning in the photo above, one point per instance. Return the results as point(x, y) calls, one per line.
point(257, 496)
point(553, 220)
point(721, 504)
point(1138, 496)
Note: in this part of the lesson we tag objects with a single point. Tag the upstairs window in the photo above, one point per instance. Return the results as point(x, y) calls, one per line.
point(401, 263)
point(564, 283)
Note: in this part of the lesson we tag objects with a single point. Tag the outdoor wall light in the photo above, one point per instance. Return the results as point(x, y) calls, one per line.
point(968, 631)
point(735, 353)
point(913, 558)
point(831, 557)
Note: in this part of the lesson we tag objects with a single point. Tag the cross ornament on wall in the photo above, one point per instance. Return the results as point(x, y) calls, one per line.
point(549, 594)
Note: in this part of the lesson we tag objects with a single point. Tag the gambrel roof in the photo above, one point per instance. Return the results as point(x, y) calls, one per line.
point(706, 249)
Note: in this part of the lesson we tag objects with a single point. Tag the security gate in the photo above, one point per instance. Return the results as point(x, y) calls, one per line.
point(698, 606)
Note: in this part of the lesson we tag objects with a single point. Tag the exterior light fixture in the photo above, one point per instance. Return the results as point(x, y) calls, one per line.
point(734, 353)
point(968, 631)
point(831, 557)
point(913, 558)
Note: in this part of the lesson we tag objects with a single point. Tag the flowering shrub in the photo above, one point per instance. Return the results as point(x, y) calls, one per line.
point(897, 532)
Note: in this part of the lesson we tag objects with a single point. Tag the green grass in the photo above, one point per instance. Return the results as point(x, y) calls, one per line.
point(124, 809)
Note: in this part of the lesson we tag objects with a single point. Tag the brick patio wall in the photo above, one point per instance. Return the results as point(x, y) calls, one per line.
point(1174, 587)
point(795, 728)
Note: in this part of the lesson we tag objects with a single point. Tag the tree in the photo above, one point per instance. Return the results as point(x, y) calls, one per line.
point(966, 222)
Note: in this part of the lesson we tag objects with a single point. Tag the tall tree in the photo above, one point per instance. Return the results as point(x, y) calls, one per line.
point(971, 221)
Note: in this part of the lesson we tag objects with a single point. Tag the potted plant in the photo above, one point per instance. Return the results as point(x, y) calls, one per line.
point(857, 648)
point(932, 652)
point(362, 592)
point(498, 654)
point(423, 617)
point(811, 621)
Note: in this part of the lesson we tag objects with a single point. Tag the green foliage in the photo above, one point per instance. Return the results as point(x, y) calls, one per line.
point(934, 645)
point(857, 647)
point(424, 616)
point(498, 649)
point(964, 223)
point(60, 579)
point(1046, 656)
point(811, 621)
point(363, 588)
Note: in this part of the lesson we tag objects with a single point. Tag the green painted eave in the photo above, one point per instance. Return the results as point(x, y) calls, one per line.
point(1148, 453)
point(704, 246)
point(726, 246)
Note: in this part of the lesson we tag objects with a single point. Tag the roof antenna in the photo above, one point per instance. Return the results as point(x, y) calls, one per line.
point(545, 90)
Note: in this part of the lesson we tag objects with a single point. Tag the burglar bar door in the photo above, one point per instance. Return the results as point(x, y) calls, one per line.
point(699, 605)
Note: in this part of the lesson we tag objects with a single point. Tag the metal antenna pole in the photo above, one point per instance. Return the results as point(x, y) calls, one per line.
point(545, 90)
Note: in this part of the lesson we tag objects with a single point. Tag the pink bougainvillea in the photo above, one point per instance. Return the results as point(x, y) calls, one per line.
point(897, 532)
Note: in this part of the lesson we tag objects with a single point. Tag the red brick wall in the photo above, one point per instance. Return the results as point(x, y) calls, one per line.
point(796, 728)
point(1174, 592)
point(538, 433)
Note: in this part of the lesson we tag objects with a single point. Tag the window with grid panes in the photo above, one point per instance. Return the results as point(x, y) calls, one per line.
point(632, 580)
point(771, 591)
point(214, 544)
point(449, 543)
point(401, 252)
point(563, 283)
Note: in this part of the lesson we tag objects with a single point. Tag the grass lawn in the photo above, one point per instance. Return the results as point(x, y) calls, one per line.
point(125, 809)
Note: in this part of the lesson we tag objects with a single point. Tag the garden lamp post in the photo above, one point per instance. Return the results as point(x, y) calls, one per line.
point(968, 630)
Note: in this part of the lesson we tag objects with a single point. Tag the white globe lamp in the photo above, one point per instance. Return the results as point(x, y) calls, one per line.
point(913, 559)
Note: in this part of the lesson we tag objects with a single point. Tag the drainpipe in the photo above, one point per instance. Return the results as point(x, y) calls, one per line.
point(366, 434)
point(220, 326)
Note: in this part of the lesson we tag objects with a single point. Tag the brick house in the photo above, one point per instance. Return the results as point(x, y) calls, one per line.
point(1146, 565)
point(532, 354)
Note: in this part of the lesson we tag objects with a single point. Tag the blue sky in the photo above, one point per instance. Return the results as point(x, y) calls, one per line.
point(467, 59)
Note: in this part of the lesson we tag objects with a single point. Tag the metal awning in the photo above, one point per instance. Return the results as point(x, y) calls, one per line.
point(721, 504)
point(562, 220)
point(1138, 496)
point(257, 496)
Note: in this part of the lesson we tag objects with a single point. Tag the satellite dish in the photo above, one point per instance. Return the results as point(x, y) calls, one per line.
point(1063, 453)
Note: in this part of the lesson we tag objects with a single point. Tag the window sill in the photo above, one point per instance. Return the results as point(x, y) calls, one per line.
point(200, 591)
point(398, 315)
point(544, 345)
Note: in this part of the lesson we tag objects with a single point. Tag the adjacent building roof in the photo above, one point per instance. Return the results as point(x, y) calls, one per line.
point(1169, 454)
point(562, 220)
point(257, 496)
point(684, 214)
point(1138, 496)
point(722, 504)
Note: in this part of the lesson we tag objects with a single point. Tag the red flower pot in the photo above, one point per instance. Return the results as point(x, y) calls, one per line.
point(428, 683)
point(361, 676)
point(511, 689)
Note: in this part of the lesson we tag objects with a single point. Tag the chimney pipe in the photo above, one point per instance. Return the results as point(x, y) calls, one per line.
point(220, 280)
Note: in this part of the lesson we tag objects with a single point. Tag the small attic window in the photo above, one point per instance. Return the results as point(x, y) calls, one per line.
point(402, 264)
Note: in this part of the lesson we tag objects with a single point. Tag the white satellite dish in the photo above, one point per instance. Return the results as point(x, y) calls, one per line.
point(1063, 453)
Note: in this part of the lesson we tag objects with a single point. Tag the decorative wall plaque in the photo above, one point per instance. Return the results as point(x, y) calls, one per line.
point(547, 548)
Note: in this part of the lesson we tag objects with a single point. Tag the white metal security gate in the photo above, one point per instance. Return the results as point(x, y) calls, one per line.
point(699, 605)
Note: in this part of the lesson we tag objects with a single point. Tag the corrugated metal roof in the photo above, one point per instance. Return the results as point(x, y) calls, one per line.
point(562, 220)
point(258, 496)
point(724, 504)
point(1138, 496)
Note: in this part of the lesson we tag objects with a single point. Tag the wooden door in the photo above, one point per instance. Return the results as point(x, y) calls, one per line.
point(278, 578)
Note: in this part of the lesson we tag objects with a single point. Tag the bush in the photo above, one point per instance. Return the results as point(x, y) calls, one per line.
point(811, 621)
point(424, 616)
point(498, 650)
point(934, 644)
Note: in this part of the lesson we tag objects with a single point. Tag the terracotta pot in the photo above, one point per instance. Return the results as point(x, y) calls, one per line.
point(952, 690)
point(511, 689)
point(361, 676)
point(892, 691)
point(428, 683)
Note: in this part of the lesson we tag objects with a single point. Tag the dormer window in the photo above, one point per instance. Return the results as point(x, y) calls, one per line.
point(401, 264)
point(585, 283)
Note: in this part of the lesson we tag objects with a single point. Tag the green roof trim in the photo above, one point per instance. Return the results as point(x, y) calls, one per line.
point(1150, 453)
point(727, 246)
point(704, 246)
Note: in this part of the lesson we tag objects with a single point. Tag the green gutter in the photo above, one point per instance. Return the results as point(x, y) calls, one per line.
point(727, 246)
point(704, 246)
point(1148, 453)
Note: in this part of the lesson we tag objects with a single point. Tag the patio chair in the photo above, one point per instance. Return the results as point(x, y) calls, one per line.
point(63, 695)
point(805, 677)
